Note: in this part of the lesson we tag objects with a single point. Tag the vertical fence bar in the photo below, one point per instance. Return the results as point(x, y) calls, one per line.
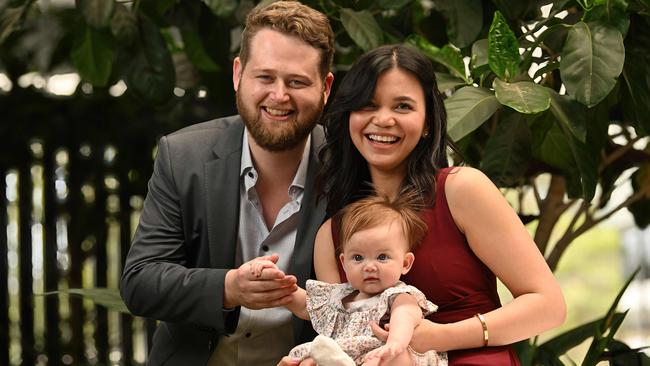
point(52, 330)
point(101, 227)
point(74, 206)
point(4, 275)
point(125, 244)
point(25, 263)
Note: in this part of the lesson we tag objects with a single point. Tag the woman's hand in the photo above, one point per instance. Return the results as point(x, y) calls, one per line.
point(290, 361)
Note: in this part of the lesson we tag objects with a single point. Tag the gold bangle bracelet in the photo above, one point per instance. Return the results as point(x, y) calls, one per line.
point(481, 318)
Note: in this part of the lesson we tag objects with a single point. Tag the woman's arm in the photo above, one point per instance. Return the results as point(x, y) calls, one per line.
point(405, 315)
point(499, 239)
point(325, 263)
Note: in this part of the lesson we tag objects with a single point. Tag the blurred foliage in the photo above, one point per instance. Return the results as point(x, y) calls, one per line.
point(562, 93)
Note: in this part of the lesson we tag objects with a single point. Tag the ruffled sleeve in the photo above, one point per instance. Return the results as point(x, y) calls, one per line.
point(389, 295)
point(323, 304)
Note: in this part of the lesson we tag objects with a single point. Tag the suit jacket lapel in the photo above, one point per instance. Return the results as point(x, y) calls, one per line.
point(222, 195)
point(312, 214)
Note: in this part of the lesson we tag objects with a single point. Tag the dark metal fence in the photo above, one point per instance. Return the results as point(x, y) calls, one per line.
point(74, 174)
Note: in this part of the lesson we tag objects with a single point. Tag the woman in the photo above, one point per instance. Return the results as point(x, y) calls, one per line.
point(386, 130)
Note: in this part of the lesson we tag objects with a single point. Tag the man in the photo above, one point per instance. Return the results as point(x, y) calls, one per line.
point(227, 191)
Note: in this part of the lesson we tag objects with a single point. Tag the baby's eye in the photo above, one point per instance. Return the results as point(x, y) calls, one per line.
point(357, 257)
point(382, 257)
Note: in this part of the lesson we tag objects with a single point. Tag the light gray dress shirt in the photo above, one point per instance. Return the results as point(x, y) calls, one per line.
point(264, 336)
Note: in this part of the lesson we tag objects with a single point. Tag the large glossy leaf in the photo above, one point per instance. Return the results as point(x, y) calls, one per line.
point(107, 297)
point(467, 109)
point(447, 56)
point(560, 149)
point(570, 113)
point(591, 61)
point(507, 151)
point(446, 81)
point(221, 8)
point(611, 13)
point(151, 76)
point(635, 87)
point(362, 28)
point(96, 13)
point(93, 56)
point(524, 96)
point(503, 49)
point(464, 20)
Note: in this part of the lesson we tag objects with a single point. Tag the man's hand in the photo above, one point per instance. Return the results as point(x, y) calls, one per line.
point(271, 288)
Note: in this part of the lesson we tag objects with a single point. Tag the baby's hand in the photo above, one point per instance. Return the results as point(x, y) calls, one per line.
point(384, 353)
point(258, 265)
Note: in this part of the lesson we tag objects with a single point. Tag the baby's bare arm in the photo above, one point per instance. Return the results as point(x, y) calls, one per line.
point(405, 315)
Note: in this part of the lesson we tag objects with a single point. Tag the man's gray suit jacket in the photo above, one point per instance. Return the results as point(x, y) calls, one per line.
point(187, 236)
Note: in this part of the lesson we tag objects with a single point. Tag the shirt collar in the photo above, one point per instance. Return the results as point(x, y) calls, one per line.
point(301, 174)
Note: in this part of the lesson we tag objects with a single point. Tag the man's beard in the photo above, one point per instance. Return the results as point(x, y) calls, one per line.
point(283, 135)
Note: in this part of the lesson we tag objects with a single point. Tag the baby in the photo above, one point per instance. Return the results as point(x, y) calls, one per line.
point(377, 237)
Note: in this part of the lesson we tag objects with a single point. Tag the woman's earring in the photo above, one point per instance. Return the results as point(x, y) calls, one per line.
point(425, 134)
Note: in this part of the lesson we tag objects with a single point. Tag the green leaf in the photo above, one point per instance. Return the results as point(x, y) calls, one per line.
point(124, 25)
point(393, 4)
point(96, 13)
point(591, 61)
point(609, 324)
point(362, 28)
point(562, 150)
point(503, 49)
point(611, 13)
point(196, 51)
point(554, 148)
point(570, 114)
point(10, 21)
point(565, 341)
point(446, 81)
point(635, 88)
point(464, 20)
point(467, 109)
point(93, 56)
point(507, 151)
point(447, 56)
point(524, 96)
point(107, 297)
point(221, 8)
point(151, 76)
point(480, 53)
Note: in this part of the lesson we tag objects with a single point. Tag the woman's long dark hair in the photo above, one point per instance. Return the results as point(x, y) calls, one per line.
point(345, 177)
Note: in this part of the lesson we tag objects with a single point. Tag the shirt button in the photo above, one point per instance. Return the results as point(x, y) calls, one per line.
point(248, 335)
point(265, 248)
